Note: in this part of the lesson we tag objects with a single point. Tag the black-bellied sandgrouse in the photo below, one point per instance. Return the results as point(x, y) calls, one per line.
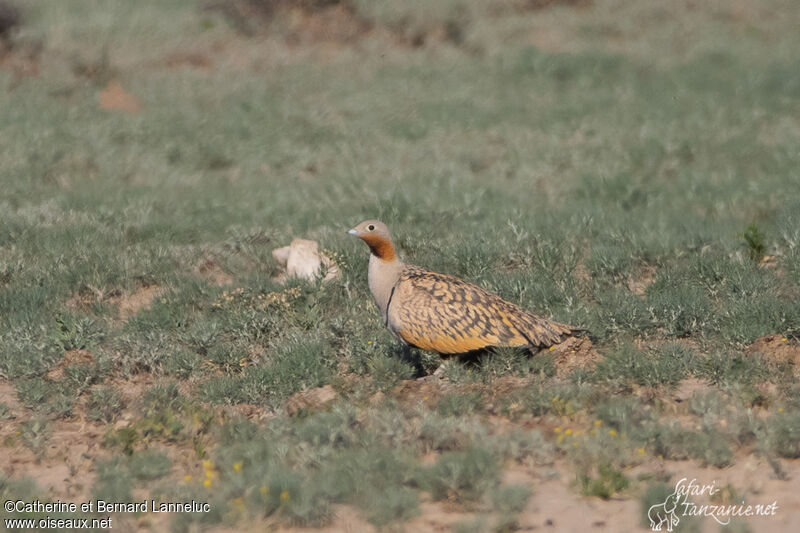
point(442, 313)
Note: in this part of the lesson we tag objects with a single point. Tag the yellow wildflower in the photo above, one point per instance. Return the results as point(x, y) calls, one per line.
point(612, 432)
point(207, 483)
point(285, 496)
point(568, 432)
point(187, 477)
point(237, 466)
point(598, 423)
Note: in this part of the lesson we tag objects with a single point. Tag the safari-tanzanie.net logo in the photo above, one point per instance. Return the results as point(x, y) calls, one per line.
point(679, 504)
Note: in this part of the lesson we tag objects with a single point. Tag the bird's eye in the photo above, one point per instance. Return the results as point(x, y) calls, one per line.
point(371, 227)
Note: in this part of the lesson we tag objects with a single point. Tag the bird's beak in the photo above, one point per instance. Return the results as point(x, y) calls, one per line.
point(353, 232)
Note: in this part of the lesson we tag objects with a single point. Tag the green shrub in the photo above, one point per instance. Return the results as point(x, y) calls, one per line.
point(463, 476)
point(55, 398)
point(459, 404)
point(301, 363)
point(508, 501)
point(755, 242)
point(114, 481)
point(79, 332)
point(26, 352)
point(375, 479)
point(105, 404)
point(679, 309)
point(665, 366)
point(224, 390)
point(725, 368)
point(387, 372)
point(608, 482)
point(783, 434)
point(511, 499)
point(618, 312)
point(148, 465)
point(625, 415)
point(35, 433)
point(182, 364)
point(655, 494)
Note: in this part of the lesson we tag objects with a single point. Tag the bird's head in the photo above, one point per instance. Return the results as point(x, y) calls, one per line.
point(376, 234)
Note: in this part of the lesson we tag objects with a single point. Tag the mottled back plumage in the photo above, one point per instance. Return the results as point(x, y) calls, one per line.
point(445, 314)
point(442, 313)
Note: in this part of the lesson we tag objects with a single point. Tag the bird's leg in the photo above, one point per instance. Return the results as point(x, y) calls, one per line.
point(413, 358)
point(439, 372)
point(406, 352)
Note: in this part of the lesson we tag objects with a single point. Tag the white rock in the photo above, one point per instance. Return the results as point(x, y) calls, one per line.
point(302, 259)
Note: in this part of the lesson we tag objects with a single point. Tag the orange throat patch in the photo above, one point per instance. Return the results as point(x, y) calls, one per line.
point(380, 247)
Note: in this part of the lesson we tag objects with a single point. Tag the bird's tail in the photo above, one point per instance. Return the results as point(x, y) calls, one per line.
point(543, 333)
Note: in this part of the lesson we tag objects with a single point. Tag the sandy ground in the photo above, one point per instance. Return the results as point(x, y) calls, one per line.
point(65, 469)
